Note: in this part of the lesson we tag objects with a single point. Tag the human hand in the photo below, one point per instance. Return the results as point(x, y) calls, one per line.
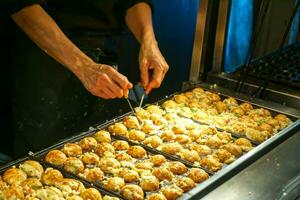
point(150, 58)
point(104, 81)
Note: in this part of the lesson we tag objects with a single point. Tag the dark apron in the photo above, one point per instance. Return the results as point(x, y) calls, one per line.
point(49, 102)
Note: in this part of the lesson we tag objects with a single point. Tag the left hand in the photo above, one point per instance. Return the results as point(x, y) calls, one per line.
point(150, 58)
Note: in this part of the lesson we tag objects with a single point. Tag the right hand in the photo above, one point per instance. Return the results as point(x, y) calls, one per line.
point(104, 81)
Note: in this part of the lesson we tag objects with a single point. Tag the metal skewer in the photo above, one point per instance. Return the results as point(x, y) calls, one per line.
point(142, 99)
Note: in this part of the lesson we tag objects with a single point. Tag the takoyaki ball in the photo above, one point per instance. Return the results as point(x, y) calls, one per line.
point(214, 142)
point(238, 111)
point(107, 164)
point(105, 149)
point(132, 192)
point(244, 143)
point(212, 111)
point(74, 165)
point(157, 119)
point(74, 198)
point(170, 104)
point(131, 122)
point(90, 158)
point(283, 120)
point(224, 136)
point(120, 145)
point(156, 196)
point(14, 176)
point(189, 95)
point(72, 149)
point(266, 127)
point(153, 141)
point(32, 168)
point(149, 183)
point(56, 157)
point(106, 197)
point(197, 175)
point(224, 156)
point(177, 167)
point(51, 176)
point(144, 165)
point(198, 91)
point(231, 102)
point(88, 143)
point(142, 114)
point(246, 107)
point(171, 117)
point(233, 148)
point(185, 183)
point(215, 97)
point(31, 184)
point(93, 174)
point(136, 135)
point(263, 112)
point(205, 102)
point(238, 128)
point(114, 184)
point(137, 152)
point(123, 157)
point(200, 116)
point(128, 175)
point(13, 192)
point(274, 123)
point(162, 173)
point(209, 131)
point(102, 136)
point(74, 184)
point(183, 139)
point(171, 148)
point(147, 128)
point(211, 163)
point(179, 129)
point(194, 134)
point(158, 160)
point(181, 99)
point(118, 129)
point(49, 193)
point(172, 192)
point(190, 155)
point(167, 136)
point(186, 112)
point(155, 109)
point(90, 194)
point(256, 135)
point(221, 106)
point(202, 150)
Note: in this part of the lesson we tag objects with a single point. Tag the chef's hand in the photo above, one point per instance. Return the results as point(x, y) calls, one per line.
point(104, 81)
point(150, 58)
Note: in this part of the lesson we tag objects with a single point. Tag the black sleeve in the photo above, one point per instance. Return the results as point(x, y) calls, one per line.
point(9, 7)
point(123, 5)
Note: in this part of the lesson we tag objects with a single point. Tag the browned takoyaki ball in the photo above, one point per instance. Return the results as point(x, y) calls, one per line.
point(233, 148)
point(149, 183)
point(221, 106)
point(231, 102)
point(136, 135)
point(123, 157)
point(246, 107)
point(211, 163)
point(32, 168)
point(283, 120)
point(244, 143)
point(93, 174)
point(198, 90)
point(148, 127)
point(189, 95)
point(157, 119)
point(153, 141)
point(274, 123)
point(170, 104)
point(202, 150)
point(14, 176)
point(171, 148)
point(132, 192)
point(179, 129)
point(185, 183)
point(114, 183)
point(190, 155)
point(89, 158)
point(107, 164)
point(74, 165)
point(120, 145)
point(105, 149)
point(14, 191)
point(128, 175)
point(266, 127)
point(197, 175)
point(183, 139)
point(256, 135)
point(181, 99)
point(167, 136)
point(224, 156)
point(51, 176)
point(214, 142)
point(155, 109)
point(88, 143)
point(172, 192)
point(238, 111)
point(156, 196)
point(162, 173)
point(146, 165)
point(131, 122)
point(31, 184)
point(118, 129)
point(102, 136)
point(72, 183)
point(90, 194)
point(177, 167)
point(56, 157)
point(72, 149)
point(137, 152)
point(142, 114)
point(158, 160)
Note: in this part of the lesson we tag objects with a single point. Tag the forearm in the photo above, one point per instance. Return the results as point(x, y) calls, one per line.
point(139, 20)
point(41, 28)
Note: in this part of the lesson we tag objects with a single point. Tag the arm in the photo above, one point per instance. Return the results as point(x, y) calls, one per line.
point(101, 80)
point(139, 21)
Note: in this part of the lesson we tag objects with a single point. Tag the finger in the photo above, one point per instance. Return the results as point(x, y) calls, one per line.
point(103, 95)
point(112, 86)
point(120, 79)
point(108, 92)
point(144, 70)
point(156, 79)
